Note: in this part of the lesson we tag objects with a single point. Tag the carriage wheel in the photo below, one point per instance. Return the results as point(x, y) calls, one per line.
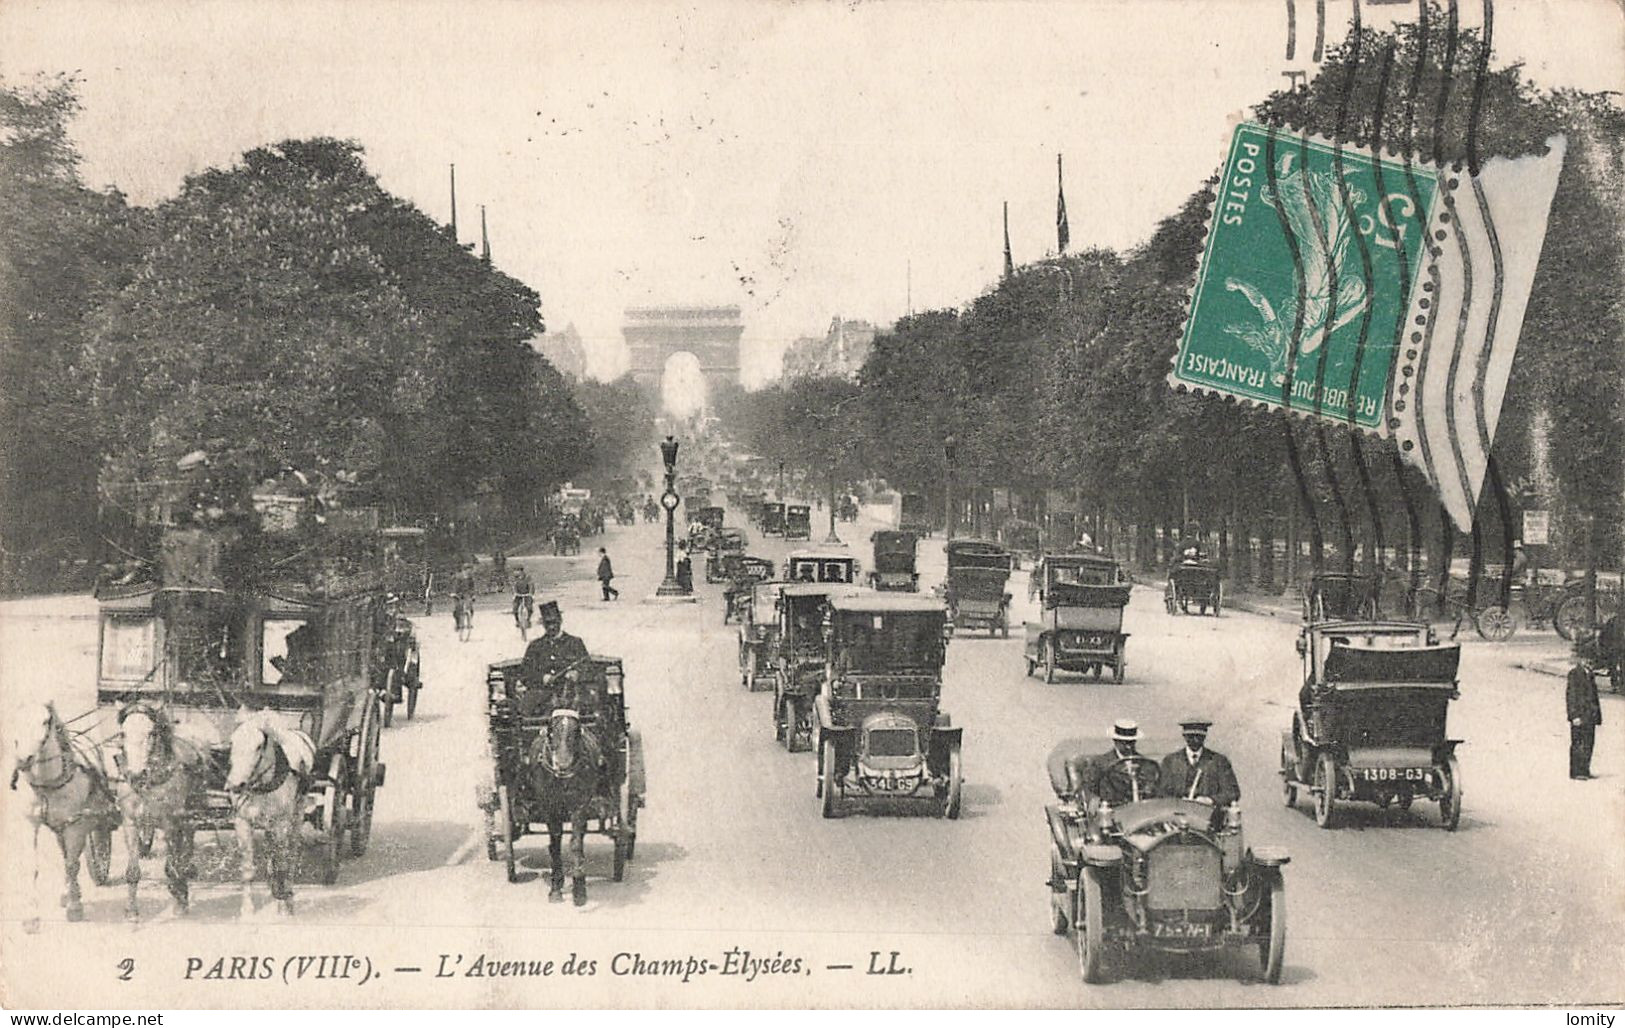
point(1119, 666)
point(1049, 659)
point(391, 691)
point(505, 817)
point(332, 823)
point(1450, 798)
point(828, 787)
point(1032, 665)
point(366, 790)
point(1326, 797)
point(953, 791)
point(1289, 788)
point(1272, 949)
point(1089, 923)
point(781, 733)
point(1496, 623)
point(1570, 618)
point(799, 737)
point(99, 854)
point(412, 697)
point(1168, 598)
point(1004, 625)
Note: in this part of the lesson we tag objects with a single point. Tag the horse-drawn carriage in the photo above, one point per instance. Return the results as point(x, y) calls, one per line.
point(974, 590)
point(894, 562)
point(881, 730)
point(562, 754)
point(1081, 597)
point(1370, 723)
point(1193, 582)
point(567, 536)
point(401, 666)
point(798, 521)
point(245, 680)
point(914, 514)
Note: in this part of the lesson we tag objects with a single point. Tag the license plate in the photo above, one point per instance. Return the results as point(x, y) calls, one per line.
point(1181, 929)
point(1395, 774)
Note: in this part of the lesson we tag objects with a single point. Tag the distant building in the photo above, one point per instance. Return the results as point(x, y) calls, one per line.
point(711, 334)
point(564, 351)
point(840, 351)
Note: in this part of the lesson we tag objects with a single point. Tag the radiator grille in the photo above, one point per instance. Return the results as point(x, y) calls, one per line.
point(1183, 878)
point(891, 742)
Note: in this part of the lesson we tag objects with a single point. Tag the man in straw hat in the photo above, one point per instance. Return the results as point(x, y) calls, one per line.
point(1087, 774)
point(1196, 772)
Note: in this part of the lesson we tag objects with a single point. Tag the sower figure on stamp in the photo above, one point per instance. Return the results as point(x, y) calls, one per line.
point(1584, 711)
point(1198, 773)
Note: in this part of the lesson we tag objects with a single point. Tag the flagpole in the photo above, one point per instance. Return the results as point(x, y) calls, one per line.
point(1009, 265)
point(1063, 232)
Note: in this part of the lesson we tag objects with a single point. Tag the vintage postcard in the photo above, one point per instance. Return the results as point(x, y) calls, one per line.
point(1106, 503)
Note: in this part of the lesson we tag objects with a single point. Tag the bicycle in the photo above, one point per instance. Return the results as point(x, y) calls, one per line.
point(463, 614)
point(524, 606)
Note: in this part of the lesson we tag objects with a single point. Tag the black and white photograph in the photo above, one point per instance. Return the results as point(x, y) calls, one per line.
point(768, 505)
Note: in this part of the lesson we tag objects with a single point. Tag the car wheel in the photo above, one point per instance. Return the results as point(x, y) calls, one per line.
point(1049, 660)
point(1089, 923)
point(1057, 900)
point(952, 793)
point(1326, 794)
point(1272, 948)
point(826, 780)
point(1450, 798)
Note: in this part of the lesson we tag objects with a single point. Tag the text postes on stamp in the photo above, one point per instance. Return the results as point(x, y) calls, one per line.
point(1283, 288)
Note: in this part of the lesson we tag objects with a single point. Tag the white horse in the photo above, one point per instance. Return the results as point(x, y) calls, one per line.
point(270, 765)
point(162, 772)
point(72, 798)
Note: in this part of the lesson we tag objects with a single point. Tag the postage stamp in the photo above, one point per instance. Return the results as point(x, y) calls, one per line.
point(1311, 255)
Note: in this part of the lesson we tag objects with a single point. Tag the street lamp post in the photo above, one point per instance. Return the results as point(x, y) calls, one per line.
point(833, 540)
point(949, 446)
point(781, 481)
point(668, 500)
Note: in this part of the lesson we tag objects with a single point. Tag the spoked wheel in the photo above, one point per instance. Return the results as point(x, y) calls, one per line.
point(99, 854)
point(1119, 667)
point(1289, 766)
point(798, 725)
point(332, 824)
point(1326, 790)
point(1450, 798)
point(505, 825)
point(1089, 927)
point(828, 786)
point(780, 727)
point(952, 790)
point(1496, 623)
point(1272, 948)
point(1168, 601)
point(361, 801)
point(392, 692)
point(412, 688)
point(1049, 659)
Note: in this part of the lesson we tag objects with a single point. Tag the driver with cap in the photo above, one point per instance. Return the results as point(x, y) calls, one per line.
point(549, 655)
point(1088, 776)
point(1198, 773)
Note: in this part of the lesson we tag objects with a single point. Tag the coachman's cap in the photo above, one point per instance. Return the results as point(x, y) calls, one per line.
point(550, 609)
point(1126, 731)
point(1196, 725)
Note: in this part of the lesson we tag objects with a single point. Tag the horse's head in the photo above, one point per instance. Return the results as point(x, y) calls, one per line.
point(249, 741)
point(39, 738)
point(561, 744)
point(146, 729)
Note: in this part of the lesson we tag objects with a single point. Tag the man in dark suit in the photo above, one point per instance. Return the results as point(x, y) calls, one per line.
point(1584, 710)
point(549, 655)
point(1087, 778)
point(1197, 772)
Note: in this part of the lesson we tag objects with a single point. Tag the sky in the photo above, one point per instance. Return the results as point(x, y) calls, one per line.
point(803, 161)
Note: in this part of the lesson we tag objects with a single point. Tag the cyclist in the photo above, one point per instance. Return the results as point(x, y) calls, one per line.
point(524, 595)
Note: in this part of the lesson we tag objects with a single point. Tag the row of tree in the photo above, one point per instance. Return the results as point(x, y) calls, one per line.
point(284, 312)
point(1055, 377)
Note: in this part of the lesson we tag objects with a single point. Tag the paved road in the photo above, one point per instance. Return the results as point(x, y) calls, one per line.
point(1523, 904)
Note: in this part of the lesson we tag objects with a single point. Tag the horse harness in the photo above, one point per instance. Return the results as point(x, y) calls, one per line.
point(279, 771)
point(152, 777)
point(71, 769)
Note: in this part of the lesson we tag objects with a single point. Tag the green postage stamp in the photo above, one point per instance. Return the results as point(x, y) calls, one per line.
point(1283, 291)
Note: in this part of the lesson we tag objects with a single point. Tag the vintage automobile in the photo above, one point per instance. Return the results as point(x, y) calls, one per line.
point(977, 573)
point(881, 729)
point(1081, 597)
point(1193, 582)
point(773, 519)
point(1370, 723)
point(798, 657)
point(407, 568)
point(1158, 873)
point(742, 573)
point(829, 565)
point(894, 562)
point(798, 521)
point(398, 674)
point(567, 536)
point(725, 542)
point(1331, 595)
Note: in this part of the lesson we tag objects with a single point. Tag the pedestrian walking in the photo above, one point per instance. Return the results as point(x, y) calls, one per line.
point(684, 569)
point(1585, 712)
point(606, 574)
